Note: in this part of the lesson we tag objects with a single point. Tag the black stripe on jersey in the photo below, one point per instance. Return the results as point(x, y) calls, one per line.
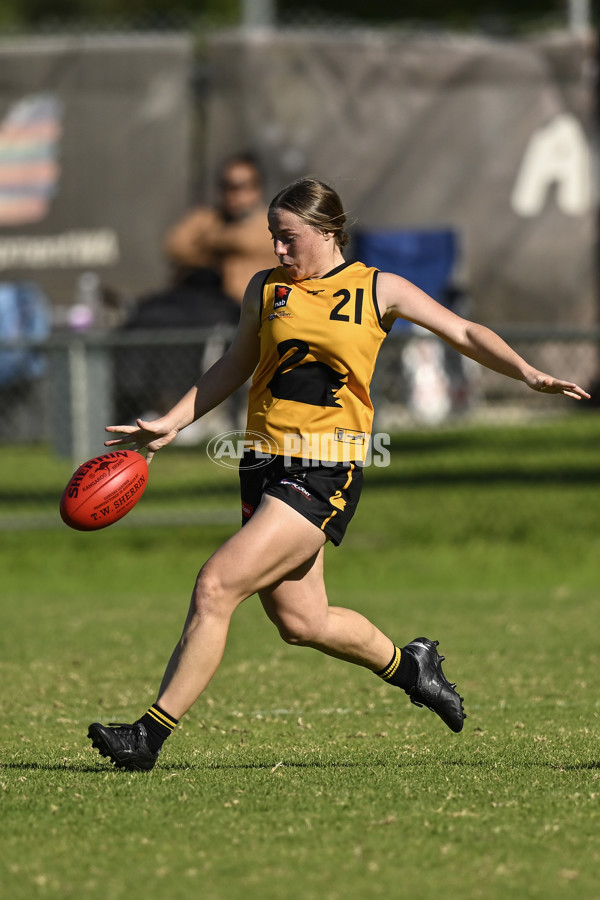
point(376, 304)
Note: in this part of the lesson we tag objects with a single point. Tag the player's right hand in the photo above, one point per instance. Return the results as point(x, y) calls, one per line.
point(151, 436)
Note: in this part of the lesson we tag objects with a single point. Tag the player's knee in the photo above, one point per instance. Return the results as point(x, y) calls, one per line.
point(298, 631)
point(210, 596)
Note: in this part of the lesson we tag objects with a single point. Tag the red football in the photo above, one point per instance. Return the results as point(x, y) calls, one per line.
point(103, 490)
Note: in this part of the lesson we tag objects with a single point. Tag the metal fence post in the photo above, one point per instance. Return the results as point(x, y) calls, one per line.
point(81, 397)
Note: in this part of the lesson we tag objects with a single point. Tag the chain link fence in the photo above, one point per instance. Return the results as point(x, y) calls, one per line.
point(62, 392)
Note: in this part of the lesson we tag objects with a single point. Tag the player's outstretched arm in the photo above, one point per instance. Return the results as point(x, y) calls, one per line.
point(399, 298)
point(219, 382)
point(488, 348)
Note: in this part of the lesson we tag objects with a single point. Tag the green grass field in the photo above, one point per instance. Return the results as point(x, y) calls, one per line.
point(297, 776)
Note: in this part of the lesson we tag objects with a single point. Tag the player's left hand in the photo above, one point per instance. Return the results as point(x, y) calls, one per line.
point(546, 384)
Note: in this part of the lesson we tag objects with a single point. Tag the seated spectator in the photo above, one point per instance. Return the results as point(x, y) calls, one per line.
point(231, 239)
point(212, 252)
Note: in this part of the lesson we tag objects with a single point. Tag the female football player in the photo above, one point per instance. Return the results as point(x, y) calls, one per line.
point(309, 334)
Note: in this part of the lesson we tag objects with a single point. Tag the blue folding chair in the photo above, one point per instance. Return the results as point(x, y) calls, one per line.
point(425, 257)
point(433, 375)
point(24, 316)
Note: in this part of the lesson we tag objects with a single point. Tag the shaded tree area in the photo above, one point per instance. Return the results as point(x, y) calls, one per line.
point(40, 15)
point(482, 14)
point(463, 13)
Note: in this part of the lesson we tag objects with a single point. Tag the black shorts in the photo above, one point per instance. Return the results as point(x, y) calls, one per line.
point(325, 494)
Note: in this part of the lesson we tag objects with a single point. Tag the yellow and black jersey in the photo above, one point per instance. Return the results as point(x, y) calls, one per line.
point(319, 341)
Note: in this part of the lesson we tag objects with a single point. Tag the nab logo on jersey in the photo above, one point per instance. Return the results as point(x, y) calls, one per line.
point(282, 292)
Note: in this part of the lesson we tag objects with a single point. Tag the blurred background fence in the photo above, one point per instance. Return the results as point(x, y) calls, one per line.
point(463, 142)
point(54, 418)
point(74, 385)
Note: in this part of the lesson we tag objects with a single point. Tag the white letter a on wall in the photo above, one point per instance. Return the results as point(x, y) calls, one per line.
point(556, 155)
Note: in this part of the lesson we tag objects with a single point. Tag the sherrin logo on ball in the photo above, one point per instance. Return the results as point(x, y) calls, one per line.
point(103, 490)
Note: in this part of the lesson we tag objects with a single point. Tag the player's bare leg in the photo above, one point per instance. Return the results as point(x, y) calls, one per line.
point(277, 540)
point(299, 608)
point(274, 542)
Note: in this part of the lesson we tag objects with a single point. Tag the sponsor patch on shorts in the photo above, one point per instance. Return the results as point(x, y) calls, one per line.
point(297, 487)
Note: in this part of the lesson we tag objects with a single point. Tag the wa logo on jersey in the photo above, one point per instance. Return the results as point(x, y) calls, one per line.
point(282, 292)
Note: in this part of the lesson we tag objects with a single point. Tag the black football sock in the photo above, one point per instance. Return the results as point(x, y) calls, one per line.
point(401, 671)
point(159, 725)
